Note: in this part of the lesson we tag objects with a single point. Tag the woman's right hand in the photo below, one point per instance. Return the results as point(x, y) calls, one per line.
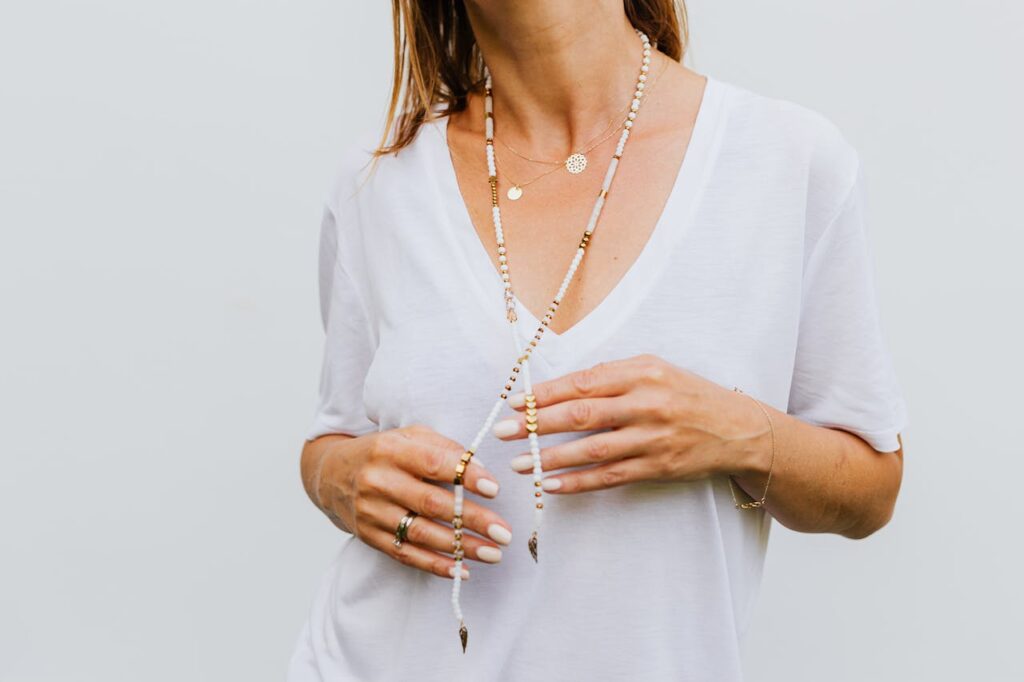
point(365, 485)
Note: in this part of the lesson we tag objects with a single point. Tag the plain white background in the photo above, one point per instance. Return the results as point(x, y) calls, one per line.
point(161, 175)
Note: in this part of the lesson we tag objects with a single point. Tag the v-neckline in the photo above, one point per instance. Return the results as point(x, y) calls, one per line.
point(631, 288)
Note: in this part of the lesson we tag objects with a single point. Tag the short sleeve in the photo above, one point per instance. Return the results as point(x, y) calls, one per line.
point(348, 344)
point(843, 375)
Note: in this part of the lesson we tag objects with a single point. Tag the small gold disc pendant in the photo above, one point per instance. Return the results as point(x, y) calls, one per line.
point(514, 192)
point(576, 163)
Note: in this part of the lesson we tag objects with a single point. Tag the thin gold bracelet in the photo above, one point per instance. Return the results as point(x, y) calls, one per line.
point(755, 504)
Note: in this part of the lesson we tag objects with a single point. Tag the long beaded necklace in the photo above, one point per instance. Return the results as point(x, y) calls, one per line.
point(522, 365)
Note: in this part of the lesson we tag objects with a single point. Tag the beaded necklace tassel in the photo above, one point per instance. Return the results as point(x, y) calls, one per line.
point(538, 470)
point(522, 362)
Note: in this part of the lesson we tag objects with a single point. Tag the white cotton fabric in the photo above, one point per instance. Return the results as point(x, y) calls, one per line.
point(757, 275)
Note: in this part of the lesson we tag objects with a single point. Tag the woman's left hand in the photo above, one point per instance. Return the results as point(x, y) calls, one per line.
point(655, 421)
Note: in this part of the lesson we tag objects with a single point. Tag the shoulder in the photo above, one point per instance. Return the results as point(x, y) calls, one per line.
point(370, 198)
point(362, 179)
point(796, 138)
point(788, 152)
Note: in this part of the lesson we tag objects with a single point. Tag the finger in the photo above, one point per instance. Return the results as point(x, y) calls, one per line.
point(411, 554)
point(582, 414)
point(595, 449)
point(435, 502)
point(432, 535)
point(600, 381)
point(428, 455)
point(600, 477)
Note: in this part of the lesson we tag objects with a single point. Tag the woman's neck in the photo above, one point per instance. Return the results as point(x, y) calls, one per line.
point(561, 68)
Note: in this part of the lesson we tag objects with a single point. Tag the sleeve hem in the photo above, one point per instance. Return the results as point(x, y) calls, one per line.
point(323, 426)
point(881, 440)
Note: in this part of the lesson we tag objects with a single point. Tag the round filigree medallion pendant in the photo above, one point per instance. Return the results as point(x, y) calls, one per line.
point(576, 163)
point(514, 192)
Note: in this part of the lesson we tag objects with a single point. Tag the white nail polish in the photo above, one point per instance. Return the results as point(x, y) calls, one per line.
point(522, 463)
point(487, 487)
point(506, 428)
point(550, 484)
point(491, 555)
point(451, 573)
point(517, 400)
point(499, 533)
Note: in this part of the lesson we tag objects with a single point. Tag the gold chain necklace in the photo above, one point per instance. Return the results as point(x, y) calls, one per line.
point(576, 163)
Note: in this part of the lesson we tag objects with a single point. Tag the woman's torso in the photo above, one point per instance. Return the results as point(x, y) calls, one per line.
point(652, 581)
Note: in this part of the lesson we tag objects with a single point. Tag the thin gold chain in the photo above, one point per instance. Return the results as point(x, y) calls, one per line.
point(561, 164)
point(591, 147)
point(611, 126)
point(521, 185)
point(755, 504)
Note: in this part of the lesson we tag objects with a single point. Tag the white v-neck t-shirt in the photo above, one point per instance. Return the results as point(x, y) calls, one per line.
point(758, 275)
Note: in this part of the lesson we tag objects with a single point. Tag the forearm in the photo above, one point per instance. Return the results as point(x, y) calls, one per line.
point(823, 480)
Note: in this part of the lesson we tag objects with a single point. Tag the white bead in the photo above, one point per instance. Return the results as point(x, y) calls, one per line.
point(643, 78)
point(610, 174)
point(631, 115)
point(628, 124)
point(647, 60)
point(645, 68)
point(640, 85)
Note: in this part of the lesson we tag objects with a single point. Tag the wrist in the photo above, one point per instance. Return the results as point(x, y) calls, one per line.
point(750, 446)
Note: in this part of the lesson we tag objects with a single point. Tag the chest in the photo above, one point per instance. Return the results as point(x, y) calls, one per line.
point(543, 226)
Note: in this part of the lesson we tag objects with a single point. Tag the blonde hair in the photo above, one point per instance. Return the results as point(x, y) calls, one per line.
point(437, 62)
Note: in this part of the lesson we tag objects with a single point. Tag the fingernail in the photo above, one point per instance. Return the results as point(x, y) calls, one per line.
point(491, 555)
point(550, 484)
point(522, 463)
point(506, 428)
point(451, 573)
point(487, 487)
point(517, 400)
point(499, 533)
